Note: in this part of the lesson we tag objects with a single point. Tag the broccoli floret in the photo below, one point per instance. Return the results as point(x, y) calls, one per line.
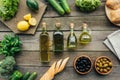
point(6, 66)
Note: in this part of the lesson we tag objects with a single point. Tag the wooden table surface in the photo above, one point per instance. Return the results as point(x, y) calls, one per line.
point(29, 58)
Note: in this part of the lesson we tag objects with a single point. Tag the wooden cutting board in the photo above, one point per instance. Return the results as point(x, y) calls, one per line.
point(23, 10)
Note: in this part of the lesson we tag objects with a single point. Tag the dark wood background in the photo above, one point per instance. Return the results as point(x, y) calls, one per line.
point(29, 57)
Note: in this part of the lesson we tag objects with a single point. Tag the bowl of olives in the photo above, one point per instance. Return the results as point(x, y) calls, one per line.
point(103, 65)
point(82, 64)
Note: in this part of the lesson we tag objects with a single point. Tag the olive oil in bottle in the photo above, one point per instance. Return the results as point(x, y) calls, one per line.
point(85, 36)
point(72, 39)
point(44, 44)
point(58, 39)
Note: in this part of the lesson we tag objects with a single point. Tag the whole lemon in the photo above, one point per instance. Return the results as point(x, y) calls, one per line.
point(23, 25)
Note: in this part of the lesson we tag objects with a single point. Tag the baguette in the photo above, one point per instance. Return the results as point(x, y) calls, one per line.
point(62, 66)
point(51, 71)
point(113, 4)
point(54, 69)
point(58, 66)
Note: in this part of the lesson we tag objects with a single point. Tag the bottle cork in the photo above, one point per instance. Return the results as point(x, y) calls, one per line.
point(43, 24)
point(71, 25)
point(58, 25)
point(85, 25)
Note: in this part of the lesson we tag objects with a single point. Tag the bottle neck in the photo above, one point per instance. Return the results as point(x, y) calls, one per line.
point(85, 29)
point(44, 29)
point(58, 28)
point(71, 30)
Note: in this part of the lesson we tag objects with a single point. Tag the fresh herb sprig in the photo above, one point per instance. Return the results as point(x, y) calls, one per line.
point(10, 45)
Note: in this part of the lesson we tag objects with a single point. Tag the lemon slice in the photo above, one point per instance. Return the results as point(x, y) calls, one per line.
point(27, 16)
point(23, 26)
point(32, 21)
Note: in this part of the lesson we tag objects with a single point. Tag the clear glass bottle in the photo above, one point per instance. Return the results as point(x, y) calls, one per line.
point(44, 44)
point(72, 39)
point(85, 36)
point(58, 39)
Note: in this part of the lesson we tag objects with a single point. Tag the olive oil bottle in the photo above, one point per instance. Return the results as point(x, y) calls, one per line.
point(44, 44)
point(72, 39)
point(58, 39)
point(85, 36)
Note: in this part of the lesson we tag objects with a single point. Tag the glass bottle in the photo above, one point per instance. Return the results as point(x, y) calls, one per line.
point(72, 39)
point(44, 44)
point(58, 39)
point(85, 36)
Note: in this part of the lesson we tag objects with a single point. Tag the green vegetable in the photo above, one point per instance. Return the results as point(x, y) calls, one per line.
point(16, 75)
point(10, 45)
point(8, 8)
point(32, 4)
point(87, 5)
point(26, 76)
point(64, 4)
point(7, 66)
point(32, 76)
point(56, 6)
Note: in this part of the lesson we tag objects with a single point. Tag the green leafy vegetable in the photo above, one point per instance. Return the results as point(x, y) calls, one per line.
point(87, 5)
point(8, 8)
point(10, 45)
point(7, 66)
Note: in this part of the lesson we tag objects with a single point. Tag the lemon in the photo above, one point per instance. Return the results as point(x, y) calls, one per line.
point(23, 26)
point(32, 21)
point(27, 16)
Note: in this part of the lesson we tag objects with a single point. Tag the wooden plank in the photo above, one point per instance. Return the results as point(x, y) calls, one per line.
point(31, 43)
point(94, 22)
point(114, 75)
point(32, 58)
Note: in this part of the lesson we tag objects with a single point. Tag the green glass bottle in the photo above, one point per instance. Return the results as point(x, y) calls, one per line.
point(85, 36)
point(44, 44)
point(58, 39)
point(72, 39)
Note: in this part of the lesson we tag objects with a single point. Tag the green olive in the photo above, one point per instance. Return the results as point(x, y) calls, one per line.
point(105, 59)
point(108, 68)
point(105, 70)
point(103, 62)
point(98, 61)
point(100, 65)
point(110, 64)
point(105, 65)
point(97, 64)
point(101, 70)
point(98, 68)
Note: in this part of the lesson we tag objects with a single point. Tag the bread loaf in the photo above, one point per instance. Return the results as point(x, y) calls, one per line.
point(115, 16)
point(113, 4)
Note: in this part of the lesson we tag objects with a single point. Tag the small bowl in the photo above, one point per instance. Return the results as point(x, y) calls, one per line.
point(82, 64)
point(103, 65)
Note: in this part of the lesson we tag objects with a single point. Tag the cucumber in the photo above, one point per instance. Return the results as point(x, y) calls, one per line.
point(65, 5)
point(32, 76)
point(56, 6)
point(32, 4)
point(26, 76)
